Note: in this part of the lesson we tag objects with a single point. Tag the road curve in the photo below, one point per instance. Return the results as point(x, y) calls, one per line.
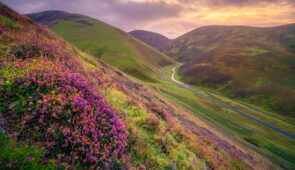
point(173, 75)
point(181, 85)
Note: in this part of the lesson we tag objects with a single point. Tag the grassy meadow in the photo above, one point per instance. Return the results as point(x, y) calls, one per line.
point(61, 108)
point(253, 65)
point(110, 44)
point(280, 148)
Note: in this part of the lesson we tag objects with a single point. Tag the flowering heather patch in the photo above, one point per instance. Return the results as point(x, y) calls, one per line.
point(151, 124)
point(60, 110)
point(44, 103)
point(35, 47)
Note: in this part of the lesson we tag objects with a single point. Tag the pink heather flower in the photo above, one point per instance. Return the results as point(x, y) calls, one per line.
point(142, 167)
point(64, 145)
point(106, 165)
point(93, 124)
point(66, 131)
point(30, 158)
point(45, 160)
point(8, 165)
point(72, 167)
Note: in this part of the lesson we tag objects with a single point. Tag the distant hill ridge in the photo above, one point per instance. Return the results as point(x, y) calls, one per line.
point(254, 64)
point(151, 38)
point(106, 42)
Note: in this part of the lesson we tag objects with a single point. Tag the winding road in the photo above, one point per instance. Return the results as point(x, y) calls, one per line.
point(251, 108)
point(185, 87)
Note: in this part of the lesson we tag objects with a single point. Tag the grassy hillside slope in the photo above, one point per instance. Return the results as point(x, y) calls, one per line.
point(106, 42)
point(280, 148)
point(62, 108)
point(151, 38)
point(255, 65)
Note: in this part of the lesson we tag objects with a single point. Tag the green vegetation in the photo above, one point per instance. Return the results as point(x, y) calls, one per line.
point(7, 22)
point(153, 143)
point(280, 148)
point(19, 155)
point(81, 104)
point(254, 65)
point(252, 51)
point(68, 107)
point(108, 43)
point(151, 38)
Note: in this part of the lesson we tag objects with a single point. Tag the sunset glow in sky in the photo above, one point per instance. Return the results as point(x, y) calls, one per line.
point(170, 17)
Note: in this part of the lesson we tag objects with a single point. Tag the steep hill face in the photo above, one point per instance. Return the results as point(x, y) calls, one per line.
point(106, 42)
point(254, 64)
point(60, 107)
point(151, 38)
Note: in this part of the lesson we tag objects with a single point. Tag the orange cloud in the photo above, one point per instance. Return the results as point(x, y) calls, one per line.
point(264, 14)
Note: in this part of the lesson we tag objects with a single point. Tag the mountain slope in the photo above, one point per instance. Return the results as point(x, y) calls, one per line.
point(151, 38)
point(106, 42)
point(62, 108)
point(253, 64)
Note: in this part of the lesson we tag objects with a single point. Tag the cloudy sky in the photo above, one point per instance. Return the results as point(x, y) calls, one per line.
point(170, 17)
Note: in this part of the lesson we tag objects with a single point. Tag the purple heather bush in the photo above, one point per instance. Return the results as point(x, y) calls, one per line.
point(36, 47)
point(63, 112)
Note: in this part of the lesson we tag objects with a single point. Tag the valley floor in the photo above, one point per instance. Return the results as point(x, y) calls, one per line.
point(246, 128)
point(252, 116)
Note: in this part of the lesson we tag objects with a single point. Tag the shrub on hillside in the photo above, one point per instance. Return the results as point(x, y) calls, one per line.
point(35, 47)
point(151, 123)
point(63, 112)
point(206, 75)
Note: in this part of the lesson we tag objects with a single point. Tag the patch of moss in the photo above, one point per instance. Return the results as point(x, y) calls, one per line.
point(254, 51)
point(8, 22)
point(19, 155)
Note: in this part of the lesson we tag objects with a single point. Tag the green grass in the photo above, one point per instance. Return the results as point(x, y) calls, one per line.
point(253, 51)
point(140, 61)
point(280, 148)
point(283, 122)
point(112, 46)
point(8, 22)
point(245, 62)
point(17, 154)
point(155, 141)
point(146, 144)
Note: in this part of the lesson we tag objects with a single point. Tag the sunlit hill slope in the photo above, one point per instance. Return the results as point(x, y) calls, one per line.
point(61, 108)
point(256, 65)
point(106, 42)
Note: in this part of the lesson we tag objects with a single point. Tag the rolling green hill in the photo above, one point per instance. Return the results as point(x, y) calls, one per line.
point(255, 65)
point(61, 108)
point(106, 42)
point(151, 38)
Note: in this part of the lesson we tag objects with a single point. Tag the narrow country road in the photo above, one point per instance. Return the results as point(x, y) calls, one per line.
point(173, 75)
point(185, 86)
